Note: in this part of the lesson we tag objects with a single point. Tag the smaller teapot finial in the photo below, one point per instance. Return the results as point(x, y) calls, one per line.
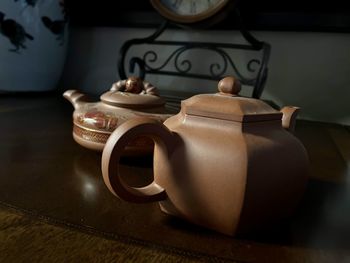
point(229, 86)
point(134, 85)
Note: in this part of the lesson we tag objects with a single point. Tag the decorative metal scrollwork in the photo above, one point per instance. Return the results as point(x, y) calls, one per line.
point(178, 64)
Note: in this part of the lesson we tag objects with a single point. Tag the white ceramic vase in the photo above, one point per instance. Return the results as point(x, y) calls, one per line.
point(33, 44)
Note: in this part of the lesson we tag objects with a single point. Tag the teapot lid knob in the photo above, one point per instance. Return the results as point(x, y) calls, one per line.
point(229, 86)
point(134, 85)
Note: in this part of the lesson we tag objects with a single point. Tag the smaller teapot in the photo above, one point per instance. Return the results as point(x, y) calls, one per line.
point(93, 122)
point(225, 162)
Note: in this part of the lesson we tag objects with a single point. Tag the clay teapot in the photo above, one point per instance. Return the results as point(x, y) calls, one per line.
point(93, 122)
point(225, 162)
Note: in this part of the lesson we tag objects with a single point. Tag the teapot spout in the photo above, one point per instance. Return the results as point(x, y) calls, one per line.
point(75, 97)
point(289, 117)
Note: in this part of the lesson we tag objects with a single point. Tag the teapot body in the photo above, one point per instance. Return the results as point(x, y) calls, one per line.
point(225, 162)
point(93, 123)
point(229, 176)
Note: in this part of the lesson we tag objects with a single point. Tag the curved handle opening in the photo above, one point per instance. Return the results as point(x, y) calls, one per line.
point(112, 153)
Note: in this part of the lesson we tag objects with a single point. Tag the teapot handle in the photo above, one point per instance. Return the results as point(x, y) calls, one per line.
point(112, 153)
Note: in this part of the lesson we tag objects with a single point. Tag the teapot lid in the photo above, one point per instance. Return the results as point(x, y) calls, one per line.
point(228, 105)
point(133, 93)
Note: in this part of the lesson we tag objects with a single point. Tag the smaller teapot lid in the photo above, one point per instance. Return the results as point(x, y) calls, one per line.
point(228, 105)
point(133, 93)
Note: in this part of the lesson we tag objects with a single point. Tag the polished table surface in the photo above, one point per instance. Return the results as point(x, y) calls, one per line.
point(44, 172)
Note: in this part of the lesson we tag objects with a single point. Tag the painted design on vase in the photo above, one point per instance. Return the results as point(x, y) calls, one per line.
point(15, 32)
point(17, 35)
point(29, 2)
point(57, 27)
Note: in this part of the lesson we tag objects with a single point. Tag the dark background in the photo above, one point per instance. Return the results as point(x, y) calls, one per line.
point(296, 15)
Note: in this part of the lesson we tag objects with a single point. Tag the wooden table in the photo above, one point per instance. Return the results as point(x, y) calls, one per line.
point(44, 173)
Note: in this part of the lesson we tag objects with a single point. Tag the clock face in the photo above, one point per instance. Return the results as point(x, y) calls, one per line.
point(188, 11)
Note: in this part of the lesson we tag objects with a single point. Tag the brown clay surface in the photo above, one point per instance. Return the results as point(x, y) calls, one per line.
point(44, 172)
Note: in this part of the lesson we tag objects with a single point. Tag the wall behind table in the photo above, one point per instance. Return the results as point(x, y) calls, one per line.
point(310, 70)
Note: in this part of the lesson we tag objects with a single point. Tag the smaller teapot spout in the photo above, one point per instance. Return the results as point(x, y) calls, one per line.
point(76, 98)
point(289, 117)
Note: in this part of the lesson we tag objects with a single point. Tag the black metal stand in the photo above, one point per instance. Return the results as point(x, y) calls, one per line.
point(182, 67)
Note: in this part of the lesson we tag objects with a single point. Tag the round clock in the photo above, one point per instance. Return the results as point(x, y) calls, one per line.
point(191, 11)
